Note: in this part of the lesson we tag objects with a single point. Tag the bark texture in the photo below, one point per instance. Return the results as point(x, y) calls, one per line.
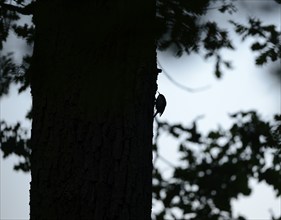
point(93, 79)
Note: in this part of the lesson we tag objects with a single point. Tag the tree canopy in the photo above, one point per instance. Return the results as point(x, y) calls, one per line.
point(219, 169)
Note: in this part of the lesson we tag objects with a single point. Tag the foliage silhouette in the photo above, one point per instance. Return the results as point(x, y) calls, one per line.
point(217, 167)
point(220, 169)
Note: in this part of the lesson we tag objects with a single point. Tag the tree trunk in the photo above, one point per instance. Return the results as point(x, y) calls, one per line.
point(93, 81)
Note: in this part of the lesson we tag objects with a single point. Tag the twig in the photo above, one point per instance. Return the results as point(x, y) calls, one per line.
point(180, 85)
point(164, 160)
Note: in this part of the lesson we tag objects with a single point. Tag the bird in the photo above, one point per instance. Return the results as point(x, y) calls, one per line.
point(160, 104)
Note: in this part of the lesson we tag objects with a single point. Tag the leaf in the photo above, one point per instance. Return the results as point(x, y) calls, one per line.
point(258, 46)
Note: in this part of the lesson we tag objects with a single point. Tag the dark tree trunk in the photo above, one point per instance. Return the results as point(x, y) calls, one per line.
point(93, 84)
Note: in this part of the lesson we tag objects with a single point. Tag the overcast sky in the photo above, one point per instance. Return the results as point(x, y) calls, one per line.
point(244, 88)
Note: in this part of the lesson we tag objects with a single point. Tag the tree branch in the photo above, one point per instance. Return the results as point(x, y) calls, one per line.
point(180, 85)
point(27, 10)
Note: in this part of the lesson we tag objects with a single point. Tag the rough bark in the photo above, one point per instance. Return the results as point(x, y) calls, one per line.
point(93, 79)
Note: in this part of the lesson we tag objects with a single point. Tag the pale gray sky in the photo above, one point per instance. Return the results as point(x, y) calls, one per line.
point(244, 88)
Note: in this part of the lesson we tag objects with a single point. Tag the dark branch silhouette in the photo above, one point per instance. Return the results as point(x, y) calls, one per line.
point(26, 10)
